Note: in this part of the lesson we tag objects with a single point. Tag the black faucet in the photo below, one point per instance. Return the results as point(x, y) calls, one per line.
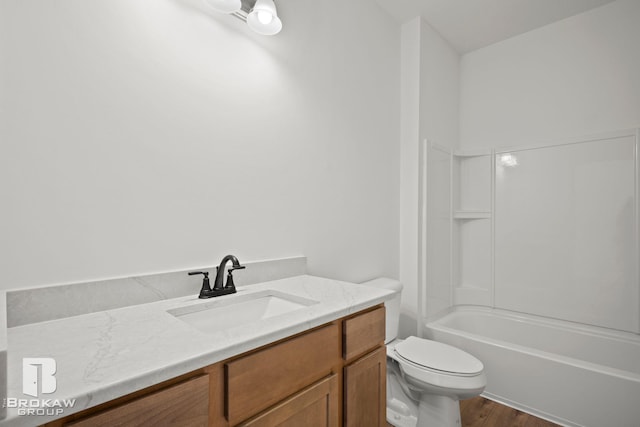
point(217, 284)
point(219, 288)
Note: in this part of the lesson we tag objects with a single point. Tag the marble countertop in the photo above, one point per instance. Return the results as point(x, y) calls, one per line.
point(104, 355)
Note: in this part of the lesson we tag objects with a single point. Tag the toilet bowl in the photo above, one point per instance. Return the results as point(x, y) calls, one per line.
point(425, 379)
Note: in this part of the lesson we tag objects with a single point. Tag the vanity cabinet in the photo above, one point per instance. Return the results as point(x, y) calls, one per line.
point(329, 376)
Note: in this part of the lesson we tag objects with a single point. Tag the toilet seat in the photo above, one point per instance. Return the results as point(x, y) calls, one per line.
point(429, 379)
point(438, 357)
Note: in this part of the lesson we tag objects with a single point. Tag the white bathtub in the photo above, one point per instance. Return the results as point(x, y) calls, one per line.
point(565, 373)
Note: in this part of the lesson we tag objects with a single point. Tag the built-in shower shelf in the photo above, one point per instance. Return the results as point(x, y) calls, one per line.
point(471, 215)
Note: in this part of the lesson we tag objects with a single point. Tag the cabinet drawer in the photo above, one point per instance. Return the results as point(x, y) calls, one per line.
point(363, 333)
point(261, 379)
point(315, 406)
point(182, 405)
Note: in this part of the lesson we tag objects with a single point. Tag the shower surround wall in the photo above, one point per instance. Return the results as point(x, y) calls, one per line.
point(545, 230)
point(563, 82)
point(565, 230)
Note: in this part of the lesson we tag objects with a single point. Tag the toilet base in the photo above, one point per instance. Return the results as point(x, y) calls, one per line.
point(410, 408)
point(434, 410)
point(402, 411)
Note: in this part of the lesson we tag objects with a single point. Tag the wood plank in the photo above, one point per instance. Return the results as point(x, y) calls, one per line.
point(504, 416)
point(481, 412)
point(538, 422)
point(474, 412)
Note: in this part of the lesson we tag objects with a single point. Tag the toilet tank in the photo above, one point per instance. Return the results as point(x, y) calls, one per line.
point(392, 306)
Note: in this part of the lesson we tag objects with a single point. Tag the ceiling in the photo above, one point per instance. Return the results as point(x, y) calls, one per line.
point(472, 24)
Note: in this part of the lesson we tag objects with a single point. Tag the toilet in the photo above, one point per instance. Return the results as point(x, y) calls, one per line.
point(425, 379)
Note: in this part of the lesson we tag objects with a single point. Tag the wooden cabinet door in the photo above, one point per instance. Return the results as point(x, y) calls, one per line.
point(365, 391)
point(262, 379)
point(182, 405)
point(315, 406)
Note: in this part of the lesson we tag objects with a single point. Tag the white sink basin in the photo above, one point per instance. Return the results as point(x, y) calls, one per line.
point(237, 310)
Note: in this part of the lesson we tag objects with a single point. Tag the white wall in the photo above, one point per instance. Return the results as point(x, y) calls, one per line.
point(439, 89)
point(410, 124)
point(151, 135)
point(430, 70)
point(576, 77)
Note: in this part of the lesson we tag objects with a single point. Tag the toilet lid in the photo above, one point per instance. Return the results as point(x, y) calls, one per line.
point(438, 356)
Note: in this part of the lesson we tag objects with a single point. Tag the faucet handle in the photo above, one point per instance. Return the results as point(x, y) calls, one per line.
point(205, 273)
point(230, 284)
point(206, 287)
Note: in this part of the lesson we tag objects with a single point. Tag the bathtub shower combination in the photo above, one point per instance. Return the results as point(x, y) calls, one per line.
point(531, 265)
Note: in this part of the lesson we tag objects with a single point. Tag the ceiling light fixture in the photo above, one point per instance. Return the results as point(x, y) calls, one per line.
point(260, 15)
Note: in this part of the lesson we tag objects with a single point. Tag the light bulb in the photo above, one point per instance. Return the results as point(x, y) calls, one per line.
point(265, 17)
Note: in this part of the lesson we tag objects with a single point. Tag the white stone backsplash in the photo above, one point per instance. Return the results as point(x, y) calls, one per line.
point(25, 306)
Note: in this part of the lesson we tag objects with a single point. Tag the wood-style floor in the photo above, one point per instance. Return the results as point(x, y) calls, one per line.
point(481, 412)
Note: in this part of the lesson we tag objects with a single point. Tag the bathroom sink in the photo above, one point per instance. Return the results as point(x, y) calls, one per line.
point(225, 312)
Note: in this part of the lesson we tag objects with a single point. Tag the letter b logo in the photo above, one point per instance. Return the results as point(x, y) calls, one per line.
point(30, 378)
